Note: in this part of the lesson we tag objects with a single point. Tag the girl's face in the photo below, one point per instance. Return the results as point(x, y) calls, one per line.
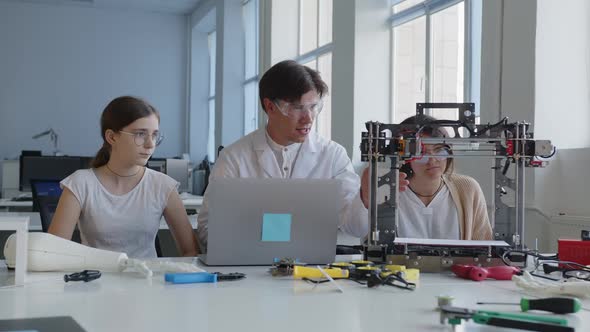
point(431, 167)
point(136, 143)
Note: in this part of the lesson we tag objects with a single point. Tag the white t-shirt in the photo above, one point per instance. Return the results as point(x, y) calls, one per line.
point(438, 220)
point(124, 223)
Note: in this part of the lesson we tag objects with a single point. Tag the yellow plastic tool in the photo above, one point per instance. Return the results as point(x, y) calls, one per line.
point(395, 268)
point(412, 274)
point(342, 265)
point(362, 263)
point(312, 272)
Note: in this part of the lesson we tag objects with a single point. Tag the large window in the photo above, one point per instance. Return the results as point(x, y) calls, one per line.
point(312, 33)
point(315, 51)
point(251, 33)
point(211, 151)
point(429, 58)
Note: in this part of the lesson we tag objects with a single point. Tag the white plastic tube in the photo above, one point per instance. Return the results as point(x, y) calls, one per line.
point(47, 252)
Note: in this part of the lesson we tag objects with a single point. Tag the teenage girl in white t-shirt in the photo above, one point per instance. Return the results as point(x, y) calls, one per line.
point(118, 203)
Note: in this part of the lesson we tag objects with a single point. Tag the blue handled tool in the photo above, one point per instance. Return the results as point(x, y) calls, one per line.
point(189, 278)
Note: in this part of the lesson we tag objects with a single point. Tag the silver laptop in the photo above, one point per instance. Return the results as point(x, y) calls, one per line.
point(254, 221)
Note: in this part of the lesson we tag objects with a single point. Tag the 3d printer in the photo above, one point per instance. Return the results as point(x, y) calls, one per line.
point(506, 143)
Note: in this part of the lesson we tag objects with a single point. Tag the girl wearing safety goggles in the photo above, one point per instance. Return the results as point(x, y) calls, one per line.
point(434, 202)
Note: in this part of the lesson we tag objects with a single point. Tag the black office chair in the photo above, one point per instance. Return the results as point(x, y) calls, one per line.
point(46, 195)
point(158, 248)
point(47, 206)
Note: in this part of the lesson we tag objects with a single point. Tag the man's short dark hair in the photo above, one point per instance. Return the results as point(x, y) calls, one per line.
point(288, 81)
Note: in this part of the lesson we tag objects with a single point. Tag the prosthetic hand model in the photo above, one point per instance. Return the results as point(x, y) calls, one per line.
point(571, 287)
point(47, 252)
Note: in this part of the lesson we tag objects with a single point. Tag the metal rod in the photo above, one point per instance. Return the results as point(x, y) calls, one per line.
point(373, 159)
point(522, 188)
point(395, 205)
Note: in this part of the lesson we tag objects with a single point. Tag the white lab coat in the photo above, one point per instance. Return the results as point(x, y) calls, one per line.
point(319, 158)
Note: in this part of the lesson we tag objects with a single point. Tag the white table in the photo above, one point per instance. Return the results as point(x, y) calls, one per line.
point(190, 202)
point(35, 219)
point(127, 302)
point(7, 204)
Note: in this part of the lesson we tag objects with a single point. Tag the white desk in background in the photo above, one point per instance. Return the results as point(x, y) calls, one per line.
point(193, 202)
point(7, 203)
point(35, 220)
point(128, 302)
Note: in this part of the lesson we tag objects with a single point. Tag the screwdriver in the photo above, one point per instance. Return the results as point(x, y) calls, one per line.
point(556, 305)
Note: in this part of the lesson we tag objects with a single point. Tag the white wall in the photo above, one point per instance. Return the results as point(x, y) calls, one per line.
point(202, 22)
point(507, 78)
point(61, 65)
point(563, 72)
point(563, 105)
point(361, 71)
point(224, 17)
point(371, 68)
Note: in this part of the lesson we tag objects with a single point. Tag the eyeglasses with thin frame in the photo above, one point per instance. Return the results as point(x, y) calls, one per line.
point(141, 137)
point(295, 110)
point(439, 153)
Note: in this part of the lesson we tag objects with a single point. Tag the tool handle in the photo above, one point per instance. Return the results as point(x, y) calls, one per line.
point(558, 305)
point(478, 273)
point(461, 271)
point(300, 272)
point(189, 278)
point(502, 272)
point(528, 326)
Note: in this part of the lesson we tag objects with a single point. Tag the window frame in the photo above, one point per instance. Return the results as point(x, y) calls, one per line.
point(316, 53)
point(212, 62)
point(427, 9)
point(247, 80)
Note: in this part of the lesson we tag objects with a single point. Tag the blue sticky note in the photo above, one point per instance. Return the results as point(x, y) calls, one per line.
point(276, 227)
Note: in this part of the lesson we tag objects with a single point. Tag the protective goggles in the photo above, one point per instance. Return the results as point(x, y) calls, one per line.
point(296, 110)
point(439, 153)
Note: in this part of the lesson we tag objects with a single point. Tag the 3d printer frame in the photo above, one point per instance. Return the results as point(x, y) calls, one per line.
point(507, 143)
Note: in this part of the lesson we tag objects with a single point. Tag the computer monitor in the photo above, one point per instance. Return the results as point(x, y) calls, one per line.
point(86, 162)
point(46, 168)
point(178, 170)
point(157, 164)
point(44, 188)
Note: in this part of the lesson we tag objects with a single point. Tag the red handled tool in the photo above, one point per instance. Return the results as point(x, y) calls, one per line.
point(478, 273)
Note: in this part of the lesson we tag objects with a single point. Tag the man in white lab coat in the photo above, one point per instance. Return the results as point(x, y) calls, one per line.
point(291, 95)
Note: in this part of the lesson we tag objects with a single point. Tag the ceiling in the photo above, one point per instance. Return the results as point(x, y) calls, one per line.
point(159, 6)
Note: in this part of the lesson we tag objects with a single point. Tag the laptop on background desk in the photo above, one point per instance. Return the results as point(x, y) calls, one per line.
point(253, 221)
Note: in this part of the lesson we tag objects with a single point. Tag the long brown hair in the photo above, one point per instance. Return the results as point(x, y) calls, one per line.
point(118, 114)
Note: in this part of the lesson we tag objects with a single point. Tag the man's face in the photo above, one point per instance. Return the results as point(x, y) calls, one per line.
point(291, 122)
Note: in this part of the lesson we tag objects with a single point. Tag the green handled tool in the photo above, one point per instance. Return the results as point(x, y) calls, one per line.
point(556, 305)
point(527, 322)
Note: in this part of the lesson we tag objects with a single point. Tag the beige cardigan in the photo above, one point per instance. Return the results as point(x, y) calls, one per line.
point(474, 223)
